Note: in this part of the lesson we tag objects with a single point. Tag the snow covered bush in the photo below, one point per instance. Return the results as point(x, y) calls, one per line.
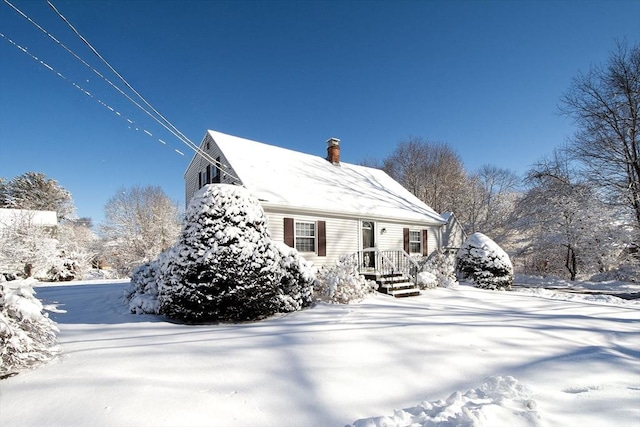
point(27, 335)
point(442, 266)
point(142, 295)
point(62, 269)
point(483, 262)
point(426, 280)
point(342, 283)
point(296, 285)
point(225, 267)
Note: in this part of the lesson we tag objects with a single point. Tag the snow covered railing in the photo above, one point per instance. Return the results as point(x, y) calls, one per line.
point(374, 261)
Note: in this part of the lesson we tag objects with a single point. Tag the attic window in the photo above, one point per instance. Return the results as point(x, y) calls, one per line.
point(208, 175)
point(216, 171)
point(305, 236)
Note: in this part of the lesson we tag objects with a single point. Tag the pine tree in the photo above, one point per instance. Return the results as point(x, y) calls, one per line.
point(483, 262)
point(225, 266)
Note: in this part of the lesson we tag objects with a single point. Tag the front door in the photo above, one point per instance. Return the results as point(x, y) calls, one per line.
point(368, 241)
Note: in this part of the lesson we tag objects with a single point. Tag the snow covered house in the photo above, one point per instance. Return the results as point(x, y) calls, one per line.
point(323, 207)
point(453, 234)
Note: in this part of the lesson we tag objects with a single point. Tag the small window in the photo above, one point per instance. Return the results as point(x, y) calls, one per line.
point(208, 175)
point(415, 242)
point(305, 236)
point(216, 171)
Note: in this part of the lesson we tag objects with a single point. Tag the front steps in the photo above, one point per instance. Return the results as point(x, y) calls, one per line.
point(396, 285)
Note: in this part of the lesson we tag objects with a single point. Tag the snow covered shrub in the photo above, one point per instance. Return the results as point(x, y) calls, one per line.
point(442, 266)
point(342, 283)
point(142, 295)
point(296, 285)
point(62, 269)
point(224, 266)
point(483, 262)
point(426, 280)
point(27, 336)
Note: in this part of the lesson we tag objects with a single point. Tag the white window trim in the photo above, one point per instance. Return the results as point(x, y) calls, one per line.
point(314, 237)
point(419, 241)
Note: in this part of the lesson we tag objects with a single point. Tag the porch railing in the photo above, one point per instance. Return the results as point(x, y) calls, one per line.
point(376, 262)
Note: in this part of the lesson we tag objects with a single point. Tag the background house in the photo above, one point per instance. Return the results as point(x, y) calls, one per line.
point(453, 234)
point(323, 207)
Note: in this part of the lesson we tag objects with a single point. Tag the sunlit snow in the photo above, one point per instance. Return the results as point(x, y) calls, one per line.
point(461, 356)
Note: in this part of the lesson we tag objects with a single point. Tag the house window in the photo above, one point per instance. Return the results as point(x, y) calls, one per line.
point(305, 236)
point(208, 175)
point(216, 172)
point(415, 242)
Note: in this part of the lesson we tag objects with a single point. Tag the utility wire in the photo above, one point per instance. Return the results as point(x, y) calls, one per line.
point(166, 124)
point(175, 131)
point(81, 89)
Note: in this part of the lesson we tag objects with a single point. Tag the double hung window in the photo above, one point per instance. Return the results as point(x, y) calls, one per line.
point(415, 242)
point(305, 236)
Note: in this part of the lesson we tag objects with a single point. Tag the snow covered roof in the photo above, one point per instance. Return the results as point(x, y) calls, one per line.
point(8, 217)
point(288, 178)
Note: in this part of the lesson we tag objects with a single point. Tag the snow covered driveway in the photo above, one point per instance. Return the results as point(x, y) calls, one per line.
point(460, 355)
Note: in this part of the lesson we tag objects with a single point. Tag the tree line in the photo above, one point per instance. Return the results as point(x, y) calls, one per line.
point(140, 222)
point(575, 212)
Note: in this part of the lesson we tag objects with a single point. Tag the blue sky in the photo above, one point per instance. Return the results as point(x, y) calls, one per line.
point(484, 77)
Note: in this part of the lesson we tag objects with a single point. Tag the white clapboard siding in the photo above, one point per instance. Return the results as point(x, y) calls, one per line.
point(199, 164)
point(392, 238)
point(341, 235)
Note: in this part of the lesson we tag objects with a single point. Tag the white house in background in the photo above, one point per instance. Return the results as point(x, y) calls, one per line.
point(323, 207)
point(453, 234)
point(10, 218)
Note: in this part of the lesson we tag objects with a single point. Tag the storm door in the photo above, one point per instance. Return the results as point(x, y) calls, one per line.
point(368, 241)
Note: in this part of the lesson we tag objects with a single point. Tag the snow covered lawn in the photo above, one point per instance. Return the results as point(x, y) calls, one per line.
point(455, 355)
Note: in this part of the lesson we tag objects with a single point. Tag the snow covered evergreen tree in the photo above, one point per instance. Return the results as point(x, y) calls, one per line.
point(225, 266)
point(296, 286)
point(34, 191)
point(142, 295)
point(483, 262)
point(27, 335)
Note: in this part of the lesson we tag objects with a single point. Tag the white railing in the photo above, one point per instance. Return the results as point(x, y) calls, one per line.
point(375, 261)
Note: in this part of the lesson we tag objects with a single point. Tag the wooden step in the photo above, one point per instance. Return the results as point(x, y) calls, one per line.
point(394, 279)
point(402, 293)
point(398, 288)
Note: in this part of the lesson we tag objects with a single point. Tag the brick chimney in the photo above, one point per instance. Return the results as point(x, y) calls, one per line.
point(333, 150)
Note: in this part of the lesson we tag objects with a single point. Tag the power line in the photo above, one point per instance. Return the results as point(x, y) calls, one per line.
point(175, 131)
point(165, 123)
point(81, 89)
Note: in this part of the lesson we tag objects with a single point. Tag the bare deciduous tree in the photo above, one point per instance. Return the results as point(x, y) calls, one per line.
point(432, 171)
point(605, 105)
point(566, 225)
point(26, 245)
point(139, 223)
point(498, 188)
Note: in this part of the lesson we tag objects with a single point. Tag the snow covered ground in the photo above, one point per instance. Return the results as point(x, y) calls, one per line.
point(460, 356)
